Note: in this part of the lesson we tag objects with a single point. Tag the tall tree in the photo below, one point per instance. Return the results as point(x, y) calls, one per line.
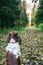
point(23, 12)
point(9, 12)
point(39, 15)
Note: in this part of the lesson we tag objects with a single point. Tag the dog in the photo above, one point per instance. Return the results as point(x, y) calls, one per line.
point(13, 50)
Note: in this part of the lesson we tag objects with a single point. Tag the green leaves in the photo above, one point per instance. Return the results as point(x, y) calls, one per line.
point(9, 12)
point(39, 15)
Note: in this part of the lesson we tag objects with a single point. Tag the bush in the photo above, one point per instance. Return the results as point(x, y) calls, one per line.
point(41, 26)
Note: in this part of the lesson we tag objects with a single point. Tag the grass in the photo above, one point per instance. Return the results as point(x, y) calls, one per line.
point(21, 30)
point(38, 29)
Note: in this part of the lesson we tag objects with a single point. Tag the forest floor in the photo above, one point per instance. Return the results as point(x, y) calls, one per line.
point(32, 46)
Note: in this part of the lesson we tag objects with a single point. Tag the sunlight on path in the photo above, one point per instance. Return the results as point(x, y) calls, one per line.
point(30, 5)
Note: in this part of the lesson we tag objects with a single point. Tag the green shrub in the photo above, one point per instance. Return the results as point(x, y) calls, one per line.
point(41, 26)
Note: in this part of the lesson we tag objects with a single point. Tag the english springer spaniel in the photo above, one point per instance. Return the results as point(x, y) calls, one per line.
point(13, 49)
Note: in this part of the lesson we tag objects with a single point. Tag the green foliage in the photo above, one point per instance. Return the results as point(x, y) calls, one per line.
point(39, 15)
point(20, 29)
point(9, 12)
point(24, 16)
point(41, 26)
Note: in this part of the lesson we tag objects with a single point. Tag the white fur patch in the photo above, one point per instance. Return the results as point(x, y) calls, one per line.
point(14, 47)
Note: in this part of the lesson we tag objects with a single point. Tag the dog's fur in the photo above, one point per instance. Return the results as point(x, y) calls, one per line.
point(10, 58)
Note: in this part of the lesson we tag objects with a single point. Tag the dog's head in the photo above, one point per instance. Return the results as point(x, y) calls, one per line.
point(15, 36)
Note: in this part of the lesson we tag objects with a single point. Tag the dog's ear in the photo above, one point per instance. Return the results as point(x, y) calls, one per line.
point(19, 39)
point(8, 38)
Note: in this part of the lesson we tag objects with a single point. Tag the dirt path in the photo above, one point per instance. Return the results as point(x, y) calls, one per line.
point(32, 45)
